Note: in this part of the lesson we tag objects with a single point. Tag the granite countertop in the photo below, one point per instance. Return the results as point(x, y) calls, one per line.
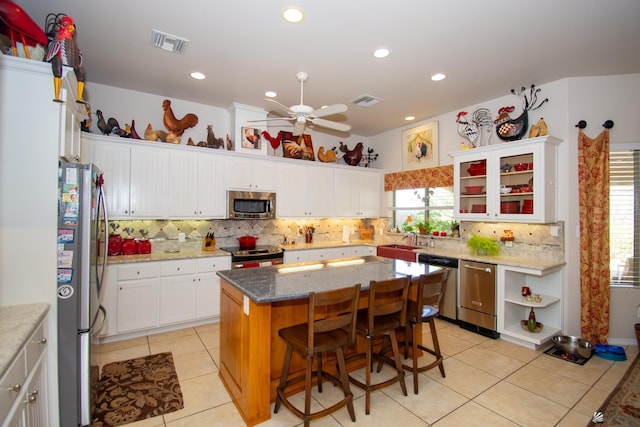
point(544, 265)
point(284, 282)
point(17, 323)
point(166, 256)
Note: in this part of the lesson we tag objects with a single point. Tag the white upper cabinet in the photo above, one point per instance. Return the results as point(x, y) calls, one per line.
point(244, 173)
point(357, 193)
point(305, 190)
point(510, 182)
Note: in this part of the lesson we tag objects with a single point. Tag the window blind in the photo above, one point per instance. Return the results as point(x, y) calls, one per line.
point(624, 195)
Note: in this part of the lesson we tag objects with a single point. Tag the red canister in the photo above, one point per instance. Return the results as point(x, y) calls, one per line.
point(144, 246)
point(115, 244)
point(129, 246)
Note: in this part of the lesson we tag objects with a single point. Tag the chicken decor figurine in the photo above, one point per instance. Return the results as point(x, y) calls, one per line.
point(174, 125)
point(14, 22)
point(63, 50)
point(352, 157)
point(509, 129)
point(328, 157)
point(151, 134)
point(212, 141)
point(275, 142)
point(466, 129)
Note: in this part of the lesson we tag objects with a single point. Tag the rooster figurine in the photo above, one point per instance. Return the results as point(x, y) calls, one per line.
point(352, 157)
point(509, 129)
point(63, 51)
point(174, 125)
point(466, 129)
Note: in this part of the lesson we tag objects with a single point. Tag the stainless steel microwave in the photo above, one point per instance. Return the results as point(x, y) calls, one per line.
point(251, 205)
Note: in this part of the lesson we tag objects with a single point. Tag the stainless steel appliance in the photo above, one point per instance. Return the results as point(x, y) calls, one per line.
point(251, 205)
point(82, 257)
point(449, 305)
point(260, 256)
point(477, 308)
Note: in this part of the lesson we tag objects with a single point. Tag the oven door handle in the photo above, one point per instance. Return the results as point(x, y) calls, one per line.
point(486, 270)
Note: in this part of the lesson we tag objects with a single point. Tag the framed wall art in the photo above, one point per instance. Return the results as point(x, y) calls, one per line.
point(297, 147)
point(251, 139)
point(420, 147)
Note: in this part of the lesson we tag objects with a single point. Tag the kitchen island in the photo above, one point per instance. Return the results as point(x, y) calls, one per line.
point(256, 303)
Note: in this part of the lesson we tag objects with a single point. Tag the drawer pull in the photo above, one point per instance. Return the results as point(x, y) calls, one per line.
point(43, 341)
point(15, 388)
point(32, 397)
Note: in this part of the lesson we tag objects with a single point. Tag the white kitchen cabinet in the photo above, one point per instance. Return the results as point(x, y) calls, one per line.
point(195, 185)
point(513, 307)
point(135, 176)
point(242, 173)
point(321, 254)
point(305, 191)
point(533, 196)
point(137, 297)
point(156, 294)
point(24, 385)
point(357, 193)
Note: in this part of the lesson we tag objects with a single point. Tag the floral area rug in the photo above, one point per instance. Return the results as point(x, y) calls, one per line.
point(622, 407)
point(136, 389)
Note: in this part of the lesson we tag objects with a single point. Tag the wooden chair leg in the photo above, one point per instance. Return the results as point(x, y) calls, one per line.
point(396, 357)
point(283, 377)
point(344, 378)
point(414, 344)
point(319, 362)
point(436, 345)
point(367, 406)
point(307, 389)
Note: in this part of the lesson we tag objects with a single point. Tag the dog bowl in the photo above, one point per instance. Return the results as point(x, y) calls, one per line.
point(573, 345)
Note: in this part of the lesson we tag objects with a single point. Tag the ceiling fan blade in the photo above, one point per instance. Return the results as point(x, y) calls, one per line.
point(342, 127)
point(282, 107)
point(331, 109)
point(298, 128)
point(271, 118)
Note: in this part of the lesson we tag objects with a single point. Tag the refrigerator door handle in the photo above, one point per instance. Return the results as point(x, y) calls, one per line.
point(102, 203)
point(95, 329)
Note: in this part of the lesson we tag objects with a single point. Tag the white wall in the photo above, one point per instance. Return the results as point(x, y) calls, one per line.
point(594, 99)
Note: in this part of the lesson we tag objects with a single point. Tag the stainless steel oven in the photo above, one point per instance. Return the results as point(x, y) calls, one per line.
point(260, 256)
point(477, 298)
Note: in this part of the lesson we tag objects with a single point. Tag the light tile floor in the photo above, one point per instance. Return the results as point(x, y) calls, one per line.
point(488, 382)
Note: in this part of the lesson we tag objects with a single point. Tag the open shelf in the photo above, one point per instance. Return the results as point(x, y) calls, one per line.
point(537, 338)
point(547, 300)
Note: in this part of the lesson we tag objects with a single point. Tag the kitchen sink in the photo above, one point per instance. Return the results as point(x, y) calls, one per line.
point(395, 251)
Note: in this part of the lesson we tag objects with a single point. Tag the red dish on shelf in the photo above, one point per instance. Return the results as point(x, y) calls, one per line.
point(511, 207)
point(474, 189)
point(479, 168)
point(478, 208)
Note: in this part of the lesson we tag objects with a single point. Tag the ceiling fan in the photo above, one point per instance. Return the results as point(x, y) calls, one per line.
point(302, 114)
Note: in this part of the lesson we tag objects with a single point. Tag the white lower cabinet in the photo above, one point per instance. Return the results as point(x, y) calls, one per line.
point(513, 307)
point(149, 295)
point(306, 255)
point(24, 401)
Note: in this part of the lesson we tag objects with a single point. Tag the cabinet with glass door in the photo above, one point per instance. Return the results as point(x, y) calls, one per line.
point(511, 182)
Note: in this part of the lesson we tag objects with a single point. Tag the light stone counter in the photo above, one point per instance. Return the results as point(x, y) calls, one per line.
point(165, 256)
point(17, 323)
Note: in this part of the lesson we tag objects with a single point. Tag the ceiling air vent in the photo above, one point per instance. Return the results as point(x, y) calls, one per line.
point(168, 41)
point(365, 100)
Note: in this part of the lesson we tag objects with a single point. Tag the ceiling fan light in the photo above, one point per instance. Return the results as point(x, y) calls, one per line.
point(270, 94)
point(381, 52)
point(438, 76)
point(292, 15)
point(198, 75)
point(410, 118)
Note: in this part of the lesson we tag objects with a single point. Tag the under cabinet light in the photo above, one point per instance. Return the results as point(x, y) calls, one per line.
point(300, 268)
point(347, 262)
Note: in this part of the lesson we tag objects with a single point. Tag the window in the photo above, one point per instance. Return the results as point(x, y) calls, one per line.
point(435, 205)
point(624, 214)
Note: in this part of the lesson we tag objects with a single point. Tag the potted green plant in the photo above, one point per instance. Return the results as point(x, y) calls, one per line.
point(423, 226)
point(483, 245)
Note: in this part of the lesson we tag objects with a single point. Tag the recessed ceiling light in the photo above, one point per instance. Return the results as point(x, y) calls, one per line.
point(198, 75)
point(270, 94)
point(381, 52)
point(438, 76)
point(409, 118)
point(292, 15)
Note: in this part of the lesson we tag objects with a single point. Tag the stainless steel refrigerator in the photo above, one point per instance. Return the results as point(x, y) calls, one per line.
point(82, 256)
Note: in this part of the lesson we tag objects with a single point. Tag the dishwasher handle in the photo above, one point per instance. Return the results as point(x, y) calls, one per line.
point(486, 269)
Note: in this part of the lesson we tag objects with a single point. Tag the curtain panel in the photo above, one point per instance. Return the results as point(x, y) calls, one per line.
point(593, 189)
point(441, 176)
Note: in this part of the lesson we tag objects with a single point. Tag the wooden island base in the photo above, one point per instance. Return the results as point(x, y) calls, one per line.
point(251, 352)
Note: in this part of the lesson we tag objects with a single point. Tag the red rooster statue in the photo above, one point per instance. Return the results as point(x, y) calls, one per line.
point(352, 157)
point(509, 129)
point(64, 51)
point(16, 23)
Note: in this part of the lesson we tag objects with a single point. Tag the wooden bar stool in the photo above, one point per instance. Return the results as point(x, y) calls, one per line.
point(330, 328)
point(424, 309)
point(387, 311)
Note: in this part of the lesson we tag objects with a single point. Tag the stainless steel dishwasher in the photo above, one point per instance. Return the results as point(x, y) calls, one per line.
point(449, 306)
point(477, 298)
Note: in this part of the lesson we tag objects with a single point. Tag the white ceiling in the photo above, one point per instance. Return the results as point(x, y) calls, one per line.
point(486, 47)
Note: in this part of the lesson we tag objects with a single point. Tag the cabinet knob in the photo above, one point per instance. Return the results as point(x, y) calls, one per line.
point(195, 212)
point(138, 273)
point(17, 387)
point(32, 397)
point(43, 341)
point(178, 269)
